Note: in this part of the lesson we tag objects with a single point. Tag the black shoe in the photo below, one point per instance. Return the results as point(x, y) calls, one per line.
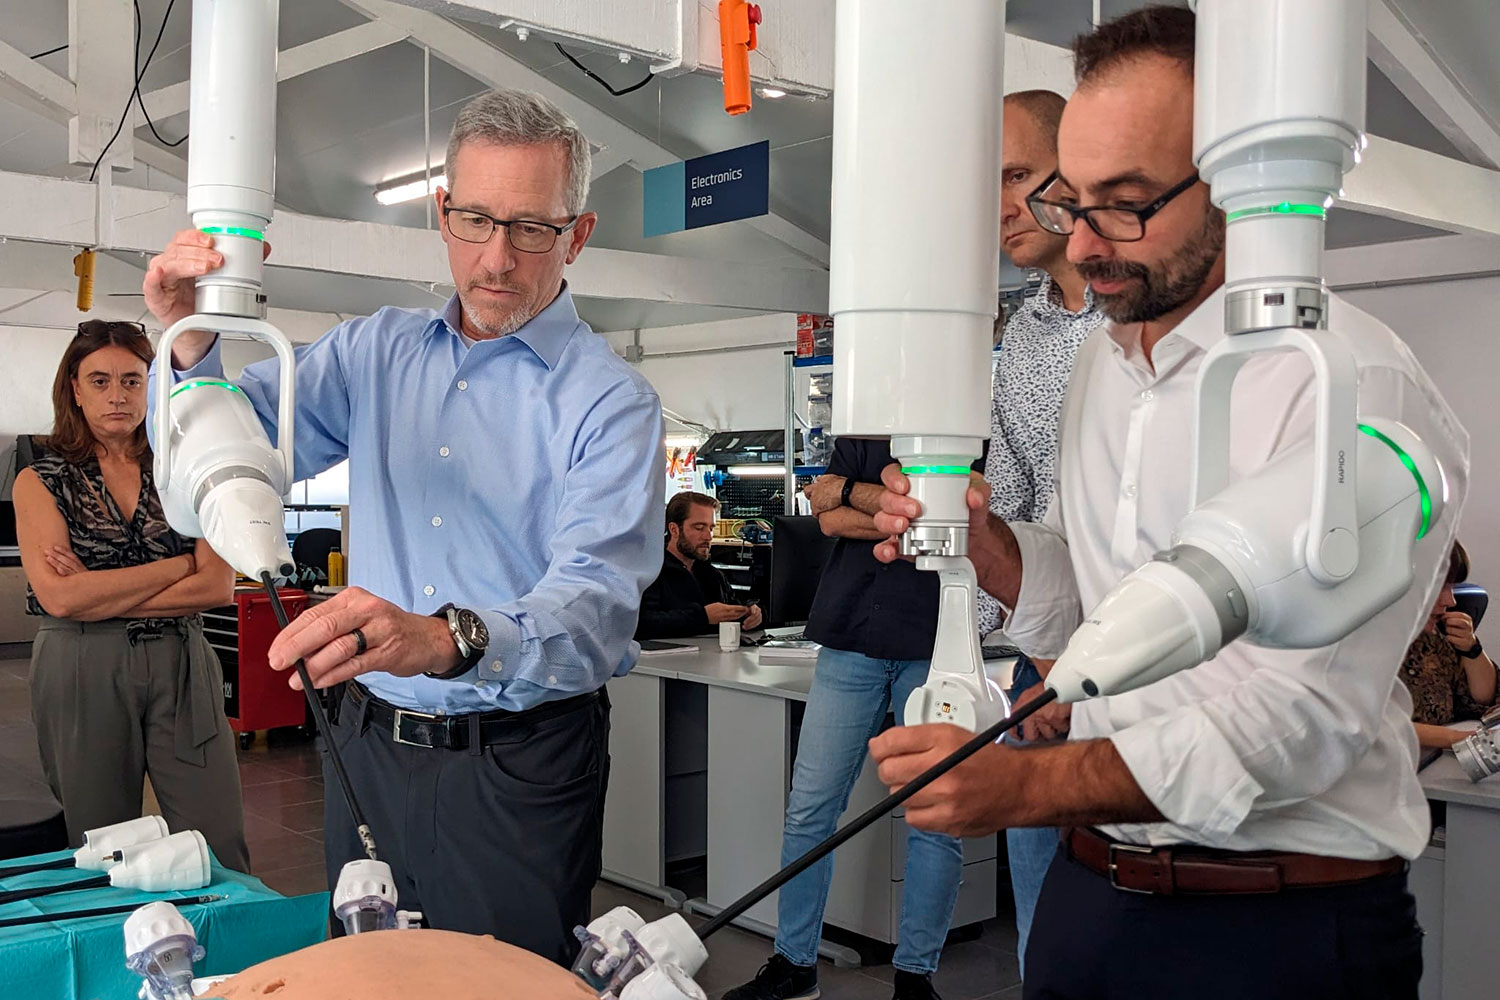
point(911, 986)
point(779, 979)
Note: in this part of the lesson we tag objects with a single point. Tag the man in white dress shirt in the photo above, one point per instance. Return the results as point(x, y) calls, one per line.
point(1240, 829)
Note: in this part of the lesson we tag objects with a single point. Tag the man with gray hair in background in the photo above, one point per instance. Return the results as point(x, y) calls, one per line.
point(505, 499)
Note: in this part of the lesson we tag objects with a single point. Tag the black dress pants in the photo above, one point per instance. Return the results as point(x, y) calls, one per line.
point(505, 841)
point(1091, 941)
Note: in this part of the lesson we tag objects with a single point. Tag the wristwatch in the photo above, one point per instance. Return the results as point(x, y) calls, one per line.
point(846, 492)
point(1473, 652)
point(470, 635)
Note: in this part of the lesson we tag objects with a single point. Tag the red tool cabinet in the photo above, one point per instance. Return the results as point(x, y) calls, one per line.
point(255, 696)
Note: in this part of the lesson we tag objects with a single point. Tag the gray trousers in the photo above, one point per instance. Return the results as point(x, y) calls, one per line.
point(111, 708)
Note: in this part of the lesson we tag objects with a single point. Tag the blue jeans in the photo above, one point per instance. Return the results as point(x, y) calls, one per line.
point(847, 705)
point(1031, 848)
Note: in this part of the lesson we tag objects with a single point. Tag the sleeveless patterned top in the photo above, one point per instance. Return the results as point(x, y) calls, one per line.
point(1439, 685)
point(100, 535)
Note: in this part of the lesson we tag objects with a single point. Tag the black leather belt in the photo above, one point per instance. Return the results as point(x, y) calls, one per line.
point(457, 732)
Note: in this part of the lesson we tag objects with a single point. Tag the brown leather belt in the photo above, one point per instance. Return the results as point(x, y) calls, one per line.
point(1167, 871)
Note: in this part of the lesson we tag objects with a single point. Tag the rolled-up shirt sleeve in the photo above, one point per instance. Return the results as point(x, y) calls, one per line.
point(1296, 723)
point(1048, 608)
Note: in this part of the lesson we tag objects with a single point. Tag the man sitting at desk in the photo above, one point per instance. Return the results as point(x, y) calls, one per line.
point(690, 597)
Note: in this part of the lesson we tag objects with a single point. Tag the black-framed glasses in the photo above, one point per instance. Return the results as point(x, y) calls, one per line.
point(525, 235)
point(1116, 224)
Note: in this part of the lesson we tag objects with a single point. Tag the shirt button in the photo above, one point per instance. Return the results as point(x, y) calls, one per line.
point(481, 683)
point(1130, 492)
point(551, 678)
point(495, 665)
point(429, 590)
point(462, 385)
point(443, 451)
point(1148, 395)
point(875, 607)
point(437, 522)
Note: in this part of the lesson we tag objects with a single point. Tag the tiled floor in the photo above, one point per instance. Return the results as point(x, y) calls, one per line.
point(283, 792)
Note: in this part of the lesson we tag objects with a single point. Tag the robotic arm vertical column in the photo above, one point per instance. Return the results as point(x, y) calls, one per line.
point(914, 271)
point(217, 473)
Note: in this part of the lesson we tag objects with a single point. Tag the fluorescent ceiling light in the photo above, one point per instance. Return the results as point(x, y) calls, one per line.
point(408, 189)
point(752, 471)
point(683, 441)
point(772, 92)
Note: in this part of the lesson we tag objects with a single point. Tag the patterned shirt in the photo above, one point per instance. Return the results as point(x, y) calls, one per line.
point(1439, 685)
point(97, 530)
point(1031, 375)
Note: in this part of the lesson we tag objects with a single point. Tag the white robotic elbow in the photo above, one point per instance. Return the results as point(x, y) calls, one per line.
point(1237, 569)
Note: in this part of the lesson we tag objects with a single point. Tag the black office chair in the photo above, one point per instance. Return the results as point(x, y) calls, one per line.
point(1471, 599)
point(311, 547)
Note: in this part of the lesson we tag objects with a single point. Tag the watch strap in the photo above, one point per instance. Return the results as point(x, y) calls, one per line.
point(847, 491)
point(471, 655)
point(1473, 652)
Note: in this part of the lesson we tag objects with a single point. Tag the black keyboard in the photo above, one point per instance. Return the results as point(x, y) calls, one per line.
point(999, 652)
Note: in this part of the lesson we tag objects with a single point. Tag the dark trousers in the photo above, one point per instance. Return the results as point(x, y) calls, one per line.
point(505, 840)
point(1091, 940)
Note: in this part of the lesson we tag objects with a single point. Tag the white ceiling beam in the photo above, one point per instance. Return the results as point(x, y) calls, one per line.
point(293, 62)
point(605, 160)
point(1430, 258)
point(496, 68)
point(30, 85)
point(1403, 182)
point(52, 210)
point(102, 68)
point(1406, 58)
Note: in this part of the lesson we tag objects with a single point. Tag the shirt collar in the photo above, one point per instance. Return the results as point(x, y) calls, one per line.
point(1049, 299)
point(546, 334)
point(1202, 328)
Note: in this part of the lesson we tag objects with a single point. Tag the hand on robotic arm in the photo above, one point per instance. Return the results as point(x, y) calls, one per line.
point(992, 546)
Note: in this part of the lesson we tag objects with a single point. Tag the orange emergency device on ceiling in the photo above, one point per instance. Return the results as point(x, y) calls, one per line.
point(737, 21)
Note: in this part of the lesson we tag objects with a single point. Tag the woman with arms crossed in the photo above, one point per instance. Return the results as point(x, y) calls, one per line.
point(123, 683)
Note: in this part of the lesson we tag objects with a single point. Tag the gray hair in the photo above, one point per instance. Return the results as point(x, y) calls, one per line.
point(523, 118)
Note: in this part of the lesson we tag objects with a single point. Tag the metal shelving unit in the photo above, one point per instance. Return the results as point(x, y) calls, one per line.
point(793, 470)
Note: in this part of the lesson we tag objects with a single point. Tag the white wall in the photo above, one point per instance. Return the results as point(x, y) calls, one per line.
point(1453, 327)
point(726, 390)
point(30, 359)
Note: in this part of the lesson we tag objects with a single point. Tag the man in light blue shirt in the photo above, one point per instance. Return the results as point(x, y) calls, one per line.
point(505, 512)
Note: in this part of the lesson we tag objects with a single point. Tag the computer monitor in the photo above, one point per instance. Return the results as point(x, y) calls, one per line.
point(799, 551)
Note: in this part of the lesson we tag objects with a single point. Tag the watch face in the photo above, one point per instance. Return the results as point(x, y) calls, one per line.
point(473, 629)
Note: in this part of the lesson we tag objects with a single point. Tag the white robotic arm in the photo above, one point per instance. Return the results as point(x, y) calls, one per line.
point(217, 473)
point(1238, 567)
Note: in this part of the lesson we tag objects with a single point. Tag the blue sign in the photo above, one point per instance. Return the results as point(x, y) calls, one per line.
point(708, 190)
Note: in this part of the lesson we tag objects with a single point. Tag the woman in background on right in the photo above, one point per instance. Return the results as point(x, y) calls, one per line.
point(1447, 671)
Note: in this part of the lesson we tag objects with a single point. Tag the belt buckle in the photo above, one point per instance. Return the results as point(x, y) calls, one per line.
point(1114, 870)
point(400, 714)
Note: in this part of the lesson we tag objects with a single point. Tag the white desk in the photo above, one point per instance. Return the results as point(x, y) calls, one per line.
point(1457, 882)
point(726, 724)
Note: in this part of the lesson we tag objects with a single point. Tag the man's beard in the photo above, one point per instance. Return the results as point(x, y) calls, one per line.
point(1165, 286)
point(494, 321)
point(687, 551)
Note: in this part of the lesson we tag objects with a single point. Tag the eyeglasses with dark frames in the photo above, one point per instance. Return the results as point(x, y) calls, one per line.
point(1111, 222)
point(525, 235)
